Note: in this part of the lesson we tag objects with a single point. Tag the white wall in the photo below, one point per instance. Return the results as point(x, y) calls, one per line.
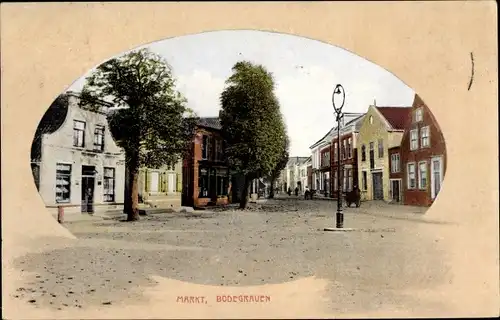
point(58, 147)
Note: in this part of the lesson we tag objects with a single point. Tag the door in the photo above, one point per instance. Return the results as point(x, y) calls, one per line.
point(436, 176)
point(396, 184)
point(171, 183)
point(88, 187)
point(153, 183)
point(378, 188)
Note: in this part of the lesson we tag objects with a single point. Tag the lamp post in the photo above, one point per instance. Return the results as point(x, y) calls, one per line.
point(339, 92)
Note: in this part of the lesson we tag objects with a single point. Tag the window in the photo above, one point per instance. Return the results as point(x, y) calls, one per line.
point(422, 175)
point(363, 153)
point(371, 119)
point(349, 179)
point(204, 147)
point(418, 115)
point(78, 133)
point(395, 166)
point(222, 182)
point(325, 161)
point(380, 148)
point(218, 150)
point(424, 137)
point(203, 183)
point(411, 176)
point(335, 182)
point(109, 185)
point(349, 150)
point(344, 149)
point(414, 139)
point(365, 182)
point(63, 182)
point(335, 155)
point(372, 156)
point(99, 138)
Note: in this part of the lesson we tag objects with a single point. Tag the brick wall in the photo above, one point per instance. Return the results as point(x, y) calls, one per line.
point(437, 148)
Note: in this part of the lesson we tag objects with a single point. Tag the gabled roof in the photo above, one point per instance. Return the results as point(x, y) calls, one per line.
point(351, 118)
point(397, 117)
point(296, 160)
point(210, 122)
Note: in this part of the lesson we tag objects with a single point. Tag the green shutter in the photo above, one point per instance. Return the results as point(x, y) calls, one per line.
point(164, 185)
point(147, 178)
point(179, 182)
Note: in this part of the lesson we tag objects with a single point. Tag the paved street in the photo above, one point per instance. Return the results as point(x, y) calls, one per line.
point(395, 252)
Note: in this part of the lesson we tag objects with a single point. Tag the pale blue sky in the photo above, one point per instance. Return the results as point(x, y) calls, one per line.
point(305, 73)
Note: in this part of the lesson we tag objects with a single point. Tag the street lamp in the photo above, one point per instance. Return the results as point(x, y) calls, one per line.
point(339, 93)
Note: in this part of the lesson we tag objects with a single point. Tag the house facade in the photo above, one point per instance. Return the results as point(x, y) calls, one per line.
point(348, 156)
point(319, 151)
point(295, 173)
point(206, 179)
point(161, 186)
point(395, 175)
point(423, 156)
point(381, 129)
point(78, 163)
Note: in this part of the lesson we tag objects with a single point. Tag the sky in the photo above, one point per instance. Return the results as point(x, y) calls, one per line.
point(305, 72)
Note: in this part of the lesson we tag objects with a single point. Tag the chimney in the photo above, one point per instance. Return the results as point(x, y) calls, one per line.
point(374, 102)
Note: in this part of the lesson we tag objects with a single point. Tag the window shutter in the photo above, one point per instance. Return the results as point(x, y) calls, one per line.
point(179, 182)
point(162, 182)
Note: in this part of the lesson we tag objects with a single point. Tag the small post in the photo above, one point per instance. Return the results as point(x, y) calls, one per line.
point(60, 214)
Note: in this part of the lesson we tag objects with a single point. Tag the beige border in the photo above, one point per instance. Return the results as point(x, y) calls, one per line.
point(46, 46)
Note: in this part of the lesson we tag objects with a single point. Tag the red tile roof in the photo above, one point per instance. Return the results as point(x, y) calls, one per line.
point(398, 117)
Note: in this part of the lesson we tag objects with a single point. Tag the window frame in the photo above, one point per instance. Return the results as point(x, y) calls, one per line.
point(426, 129)
point(395, 159)
point(380, 147)
point(101, 129)
point(412, 148)
point(408, 178)
point(106, 179)
point(420, 187)
point(76, 133)
point(65, 176)
point(363, 153)
point(364, 177)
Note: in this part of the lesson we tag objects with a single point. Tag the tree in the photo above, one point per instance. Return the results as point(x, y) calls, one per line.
point(149, 120)
point(252, 124)
point(275, 173)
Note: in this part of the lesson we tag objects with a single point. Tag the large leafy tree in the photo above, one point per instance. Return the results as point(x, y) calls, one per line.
point(149, 120)
point(252, 123)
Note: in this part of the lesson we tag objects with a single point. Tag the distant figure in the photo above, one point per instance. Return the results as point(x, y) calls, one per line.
point(289, 191)
point(353, 196)
point(296, 191)
point(307, 193)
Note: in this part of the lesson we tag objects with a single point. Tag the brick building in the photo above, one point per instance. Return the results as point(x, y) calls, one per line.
point(205, 172)
point(395, 175)
point(423, 156)
point(325, 170)
point(348, 156)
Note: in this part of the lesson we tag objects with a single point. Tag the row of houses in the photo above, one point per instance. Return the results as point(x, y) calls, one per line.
point(76, 163)
point(395, 154)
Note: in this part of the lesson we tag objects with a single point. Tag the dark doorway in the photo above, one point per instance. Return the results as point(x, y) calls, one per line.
point(396, 190)
point(378, 188)
point(88, 187)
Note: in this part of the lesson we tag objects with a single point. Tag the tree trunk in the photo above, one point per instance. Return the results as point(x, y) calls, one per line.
point(244, 194)
point(271, 192)
point(132, 197)
point(127, 200)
